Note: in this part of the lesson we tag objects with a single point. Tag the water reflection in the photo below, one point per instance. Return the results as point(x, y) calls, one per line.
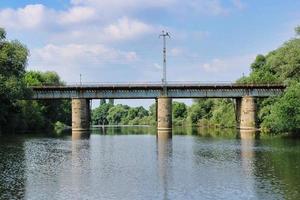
point(164, 158)
point(12, 168)
point(80, 174)
point(207, 164)
point(124, 130)
point(247, 154)
point(247, 138)
point(79, 135)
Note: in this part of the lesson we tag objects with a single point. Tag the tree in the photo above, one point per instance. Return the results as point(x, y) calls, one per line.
point(285, 113)
point(152, 110)
point(117, 114)
point(223, 113)
point(2, 34)
point(259, 62)
point(179, 110)
point(297, 30)
point(195, 113)
point(44, 112)
point(99, 115)
point(13, 60)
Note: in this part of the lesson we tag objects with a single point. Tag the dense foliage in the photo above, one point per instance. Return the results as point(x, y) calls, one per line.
point(17, 114)
point(45, 113)
point(279, 66)
point(202, 112)
point(119, 114)
point(13, 59)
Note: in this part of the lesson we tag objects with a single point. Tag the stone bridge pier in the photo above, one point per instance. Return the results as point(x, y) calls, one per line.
point(164, 117)
point(80, 115)
point(246, 113)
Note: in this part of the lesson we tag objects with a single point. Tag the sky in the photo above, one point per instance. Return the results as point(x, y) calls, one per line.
point(117, 40)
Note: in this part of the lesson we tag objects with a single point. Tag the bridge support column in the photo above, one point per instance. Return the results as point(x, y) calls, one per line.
point(164, 117)
point(80, 115)
point(246, 113)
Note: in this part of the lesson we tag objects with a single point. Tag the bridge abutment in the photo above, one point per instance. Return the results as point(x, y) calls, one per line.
point(80, 115)
point(164, 117)
point(246, 113)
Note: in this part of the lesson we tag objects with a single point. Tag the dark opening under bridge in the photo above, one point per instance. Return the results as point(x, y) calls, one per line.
point(244, 95)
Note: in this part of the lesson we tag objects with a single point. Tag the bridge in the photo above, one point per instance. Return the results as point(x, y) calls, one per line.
point(244, 95)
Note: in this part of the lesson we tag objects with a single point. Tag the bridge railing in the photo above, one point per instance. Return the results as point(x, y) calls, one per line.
point(157, 83)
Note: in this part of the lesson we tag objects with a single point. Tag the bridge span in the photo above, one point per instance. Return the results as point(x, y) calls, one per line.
point(244, 95)
point(152, 91)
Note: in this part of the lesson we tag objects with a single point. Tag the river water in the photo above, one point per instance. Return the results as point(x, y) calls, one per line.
point(130, 163)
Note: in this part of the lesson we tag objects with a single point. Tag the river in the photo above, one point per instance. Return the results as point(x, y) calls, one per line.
point(130, 163)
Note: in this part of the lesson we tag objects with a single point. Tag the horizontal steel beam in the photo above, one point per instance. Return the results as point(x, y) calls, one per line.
point(137, 91)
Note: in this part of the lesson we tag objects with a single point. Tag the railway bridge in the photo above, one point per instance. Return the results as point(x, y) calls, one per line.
point(244, 94)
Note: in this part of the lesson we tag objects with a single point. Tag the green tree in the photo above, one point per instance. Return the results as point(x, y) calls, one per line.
point(223, 113)
point(179, 110)
point(152, 111)
point(285, 113)
point(200, 109)
point(259, 62)
point(297, 30)
point(13, 60)
point(117, 114)
point(99, 115)
point(47, 111)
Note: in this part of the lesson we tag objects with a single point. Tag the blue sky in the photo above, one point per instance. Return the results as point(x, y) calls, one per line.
point(117, 41)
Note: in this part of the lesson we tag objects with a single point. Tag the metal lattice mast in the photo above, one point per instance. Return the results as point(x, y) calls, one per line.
point(164, 78)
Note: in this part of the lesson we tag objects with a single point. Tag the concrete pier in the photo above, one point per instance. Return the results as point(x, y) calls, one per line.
point(246, 113)
point(80, 115)
point(164, 117)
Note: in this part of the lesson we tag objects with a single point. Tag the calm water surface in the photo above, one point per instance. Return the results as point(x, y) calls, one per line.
point(129, 163)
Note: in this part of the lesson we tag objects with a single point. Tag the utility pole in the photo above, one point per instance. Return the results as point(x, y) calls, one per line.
point(164, 78)
point(80, 80)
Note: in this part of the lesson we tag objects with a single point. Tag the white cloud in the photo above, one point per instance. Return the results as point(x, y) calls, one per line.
point(34, 16)
point(37, 16)
point(31, 16)
point(229, 64)
point(123, 29)
point(71, 58)
point(176, 51)
point(157, 66)
point(238, 4)
point(203, 7)
point(113, 6)
point(126, 28)
point(77, 14)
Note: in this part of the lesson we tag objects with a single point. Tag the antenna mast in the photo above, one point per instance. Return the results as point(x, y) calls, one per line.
point(164, 78)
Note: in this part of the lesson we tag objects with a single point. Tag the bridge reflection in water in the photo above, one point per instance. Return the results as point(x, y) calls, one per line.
point(242, 150)
point(80, 134)
point(164, 158)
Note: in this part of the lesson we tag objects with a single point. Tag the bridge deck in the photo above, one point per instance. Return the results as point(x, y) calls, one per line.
point(143, 91)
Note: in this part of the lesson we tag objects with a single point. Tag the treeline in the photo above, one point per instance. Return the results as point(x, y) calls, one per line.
point(17, 114)
point(109, 114)
point(203, 112)
point(279, 114)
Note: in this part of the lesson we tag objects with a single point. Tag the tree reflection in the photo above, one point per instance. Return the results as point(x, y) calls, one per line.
point(12, 167)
